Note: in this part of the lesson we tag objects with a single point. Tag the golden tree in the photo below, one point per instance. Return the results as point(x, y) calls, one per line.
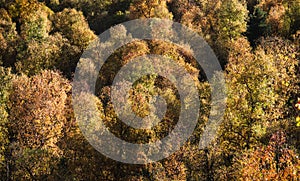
point(37, 118)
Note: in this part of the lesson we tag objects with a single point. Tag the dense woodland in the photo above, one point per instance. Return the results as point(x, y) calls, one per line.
point(256, 42)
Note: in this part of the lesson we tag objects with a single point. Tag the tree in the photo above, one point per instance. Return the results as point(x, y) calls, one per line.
point(201, 16)
point(5, 89)
point(275, 161)
point(76, 36)
point(73, 25)
point(231, 23)
point(54, 52)
point(79, 159)
point(8, 39)
point(259, 88)
point(149, 9)
point(33, 19)
point(282, 16)
point(257, 24)
point(36, 122)
point(219, 22)
point(41, 49)
point(100, 14)
point(232, 19)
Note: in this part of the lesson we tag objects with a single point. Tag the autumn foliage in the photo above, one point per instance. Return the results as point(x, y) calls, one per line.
point(257, 43)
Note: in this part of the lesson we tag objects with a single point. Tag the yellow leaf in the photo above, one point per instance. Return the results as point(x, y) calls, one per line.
point(298, 121)
point(297, 106)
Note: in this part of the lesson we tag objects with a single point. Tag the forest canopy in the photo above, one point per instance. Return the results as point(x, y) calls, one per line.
point(257, 43)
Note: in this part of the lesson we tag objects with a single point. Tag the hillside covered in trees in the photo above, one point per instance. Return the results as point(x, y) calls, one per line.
point(257, 43)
